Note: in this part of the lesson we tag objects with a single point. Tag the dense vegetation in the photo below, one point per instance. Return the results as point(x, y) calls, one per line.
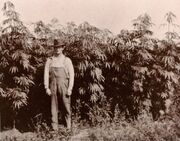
point(128, 75)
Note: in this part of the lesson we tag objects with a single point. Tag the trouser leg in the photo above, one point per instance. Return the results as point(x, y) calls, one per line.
point(54, 111)
point(67, 111)
point(62, 89)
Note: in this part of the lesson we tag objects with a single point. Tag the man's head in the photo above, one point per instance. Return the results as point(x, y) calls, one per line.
point(59, 47)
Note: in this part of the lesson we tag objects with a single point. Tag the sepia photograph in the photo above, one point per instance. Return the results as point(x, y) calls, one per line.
point(90, 70)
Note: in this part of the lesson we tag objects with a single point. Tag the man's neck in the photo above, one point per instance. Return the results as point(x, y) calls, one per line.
point(59, 55)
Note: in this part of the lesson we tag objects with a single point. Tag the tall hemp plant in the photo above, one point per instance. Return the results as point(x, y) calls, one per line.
point(127, 68)
point(84, 48)
point(41, 41)
point(169, 62)
point(170, 18)
point(16, 69)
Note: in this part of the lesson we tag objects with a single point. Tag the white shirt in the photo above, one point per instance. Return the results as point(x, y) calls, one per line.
point(60, 61)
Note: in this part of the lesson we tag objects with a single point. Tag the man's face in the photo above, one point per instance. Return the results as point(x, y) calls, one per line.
point(59, 50)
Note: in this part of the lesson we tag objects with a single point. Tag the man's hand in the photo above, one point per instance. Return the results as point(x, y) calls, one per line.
point(69, 92)
point(48, 91)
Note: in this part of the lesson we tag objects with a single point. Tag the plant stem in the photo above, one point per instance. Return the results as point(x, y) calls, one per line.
point(14, 124)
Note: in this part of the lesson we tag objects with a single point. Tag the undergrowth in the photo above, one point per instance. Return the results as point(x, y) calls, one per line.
point(143, 129)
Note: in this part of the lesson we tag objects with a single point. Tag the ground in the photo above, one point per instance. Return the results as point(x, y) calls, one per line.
point(142, 130)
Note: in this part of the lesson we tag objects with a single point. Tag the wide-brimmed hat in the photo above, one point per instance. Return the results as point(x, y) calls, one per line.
point(59, 43)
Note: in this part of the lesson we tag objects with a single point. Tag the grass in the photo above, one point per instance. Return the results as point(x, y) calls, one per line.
point(144, 129)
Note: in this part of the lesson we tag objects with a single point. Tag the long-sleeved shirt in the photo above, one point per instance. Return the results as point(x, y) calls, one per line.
point(60, 61)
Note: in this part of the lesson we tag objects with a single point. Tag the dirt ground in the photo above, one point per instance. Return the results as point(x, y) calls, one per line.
point(15, 135)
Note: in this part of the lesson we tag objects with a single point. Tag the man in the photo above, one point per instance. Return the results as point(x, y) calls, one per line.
point(58, 82)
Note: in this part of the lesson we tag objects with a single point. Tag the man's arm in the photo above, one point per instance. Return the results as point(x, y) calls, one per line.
point(46, 74)
point(71, 74)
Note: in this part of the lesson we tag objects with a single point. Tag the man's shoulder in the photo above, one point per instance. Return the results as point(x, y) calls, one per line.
point(49, 59)
point(67, 59)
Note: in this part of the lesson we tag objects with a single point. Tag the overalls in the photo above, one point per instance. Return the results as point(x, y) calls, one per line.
point(59, 82)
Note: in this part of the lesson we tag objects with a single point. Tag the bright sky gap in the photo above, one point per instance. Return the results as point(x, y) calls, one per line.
point(111, 14)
